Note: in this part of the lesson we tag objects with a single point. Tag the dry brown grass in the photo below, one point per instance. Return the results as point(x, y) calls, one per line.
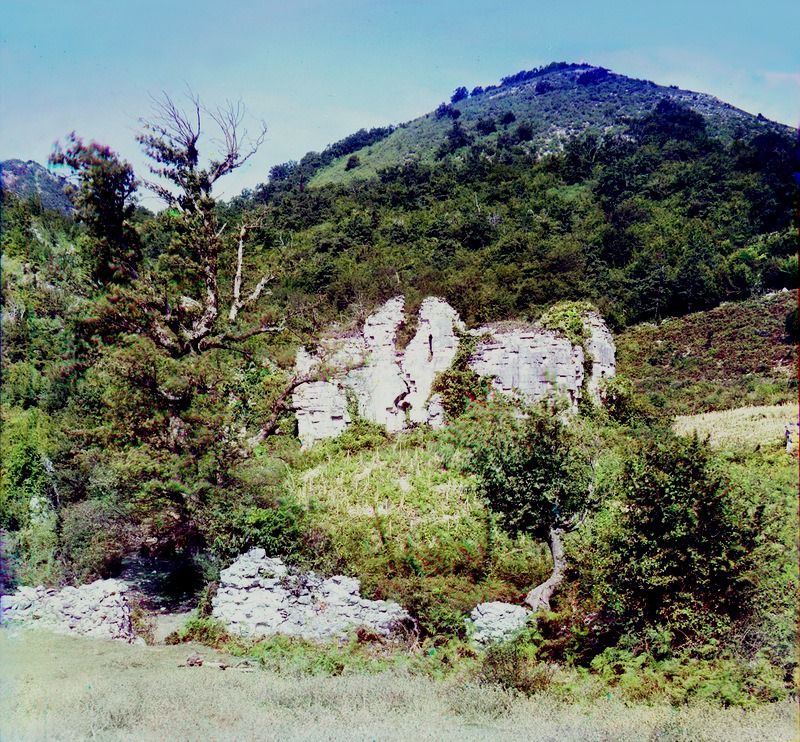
point(63, 688)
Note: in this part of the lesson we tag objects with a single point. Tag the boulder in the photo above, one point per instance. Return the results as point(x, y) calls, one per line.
point(261, 596)
point(497, 621)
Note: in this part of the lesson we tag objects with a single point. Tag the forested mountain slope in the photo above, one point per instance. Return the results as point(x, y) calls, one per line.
point(149, 362)
point(31, 180)
point(543, 107)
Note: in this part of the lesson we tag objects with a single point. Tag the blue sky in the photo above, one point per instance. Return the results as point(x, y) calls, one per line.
point(316, 71)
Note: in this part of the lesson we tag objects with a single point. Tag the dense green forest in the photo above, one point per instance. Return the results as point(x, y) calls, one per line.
point(148, 367)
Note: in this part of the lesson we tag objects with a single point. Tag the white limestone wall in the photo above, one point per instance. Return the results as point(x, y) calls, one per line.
point(603, 351)
point(393, 388)
point(380, 386)
point(529, 362)
point(430, 351)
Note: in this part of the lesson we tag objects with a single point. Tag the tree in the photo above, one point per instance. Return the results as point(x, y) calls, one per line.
point(184, 325)
point(459, 94)
point(105, 201)
point(680, 551)
point(532, 473)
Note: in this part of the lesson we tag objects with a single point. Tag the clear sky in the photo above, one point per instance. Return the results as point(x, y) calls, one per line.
point(318, 70)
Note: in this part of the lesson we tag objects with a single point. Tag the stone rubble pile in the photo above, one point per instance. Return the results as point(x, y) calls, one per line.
point(497, 621)
point(261, 596)
point(392, 387)
point(99, 610)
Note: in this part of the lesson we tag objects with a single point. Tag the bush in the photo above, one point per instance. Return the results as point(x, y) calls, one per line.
point(459, 385)
point(679, 553)
point(792, 327)
point(278, 530)
point(208, 631)
point(514, 665)
point(92, 541)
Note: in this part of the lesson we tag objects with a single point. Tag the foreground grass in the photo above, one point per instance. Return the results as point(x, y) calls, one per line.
point(743, 428)
point(65, 688)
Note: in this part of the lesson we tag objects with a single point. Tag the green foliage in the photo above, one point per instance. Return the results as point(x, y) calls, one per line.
point(792, 326)
point(515, 665)
point(92, 541)
point(622, 404)
point(702, 676)
point(105, 203)
point(679, 553)
point(459, 385)
point(568, 318)
point(208, 631)
point(280, 530)
point(530, 468)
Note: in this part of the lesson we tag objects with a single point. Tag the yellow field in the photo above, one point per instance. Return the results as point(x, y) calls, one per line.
point(745, 428)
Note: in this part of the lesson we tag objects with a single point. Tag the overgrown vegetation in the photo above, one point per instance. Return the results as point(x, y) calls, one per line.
point(148, 373)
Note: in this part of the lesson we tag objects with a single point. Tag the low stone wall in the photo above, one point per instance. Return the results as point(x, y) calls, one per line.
point(261, 596)
point(496, 621)
point(99, 610)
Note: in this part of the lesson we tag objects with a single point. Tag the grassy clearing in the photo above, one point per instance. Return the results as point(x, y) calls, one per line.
point(727, 357)
point(743, 428)
point(395, 510)
point(64, 688)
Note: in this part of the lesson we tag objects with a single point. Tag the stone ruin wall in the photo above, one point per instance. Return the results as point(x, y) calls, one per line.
point(392, 387)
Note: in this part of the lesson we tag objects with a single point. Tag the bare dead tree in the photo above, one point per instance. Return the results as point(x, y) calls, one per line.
point(171, 140)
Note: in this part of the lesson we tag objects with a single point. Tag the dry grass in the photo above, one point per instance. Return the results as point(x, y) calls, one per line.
point(743, 428)
point(63, 688)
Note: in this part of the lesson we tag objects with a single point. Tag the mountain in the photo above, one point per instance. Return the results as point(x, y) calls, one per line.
point(27, 179)
point(543, 106)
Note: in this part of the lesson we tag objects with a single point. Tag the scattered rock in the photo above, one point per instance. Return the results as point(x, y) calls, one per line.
point(193, 660)
point(99, 610)
point(261, 596)
point(497, 621)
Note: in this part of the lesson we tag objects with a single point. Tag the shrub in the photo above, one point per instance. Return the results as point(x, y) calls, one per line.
point(486, 125)
point(278, 530)
point(208, 631)
point(514, 665)
point(792, 327)
point(92, 540)
point(459, 385)
point(679, 552)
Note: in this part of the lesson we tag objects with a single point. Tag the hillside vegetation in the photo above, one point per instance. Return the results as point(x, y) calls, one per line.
point(734, 355)
point(148, 372)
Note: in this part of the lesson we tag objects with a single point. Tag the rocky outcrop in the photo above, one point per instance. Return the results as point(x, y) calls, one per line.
point(529, 361)
point(496, 621)
point(392, 387)
point(99, 610)
point(603, 352)
point(261, 596)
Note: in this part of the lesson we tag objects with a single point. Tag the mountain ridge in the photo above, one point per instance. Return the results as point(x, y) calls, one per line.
point(29, 179)
point(557, 101)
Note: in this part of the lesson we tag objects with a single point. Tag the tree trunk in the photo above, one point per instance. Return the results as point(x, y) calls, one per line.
point(539, 597)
